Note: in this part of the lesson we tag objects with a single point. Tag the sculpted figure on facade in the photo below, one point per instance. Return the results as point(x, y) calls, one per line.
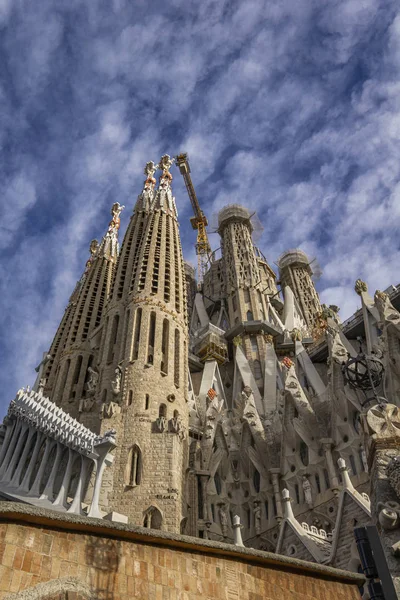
point(307, 489)
point(116, 382)
point(92, 381)
point(223, 519)
point(257, 517)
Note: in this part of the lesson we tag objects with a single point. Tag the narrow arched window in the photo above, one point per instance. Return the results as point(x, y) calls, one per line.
point(77, 372)
point(152, 518)
point(318, 483)
point(304, 453)
point(256, 480)
point(177, 361)
point(164, 347)
point(125, 350)
point(218, 483)
point(249, 316)
point(130, 398)
point(113, 338)
point(134, 467)
point(136, 335)
point(147, 402)
point(162, 411)
point(152, 336)
point(353, 464)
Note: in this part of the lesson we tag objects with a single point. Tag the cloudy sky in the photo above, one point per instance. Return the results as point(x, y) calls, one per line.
point(289, 107)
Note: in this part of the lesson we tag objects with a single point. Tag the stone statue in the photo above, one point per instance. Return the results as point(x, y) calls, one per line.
point(257, 517)
point(115, 222)
point(86, 404)
point(40, 369)
point(42, 384)
point(307, 491)
point(161, 423)
point(92, 381)
point(108, 410)
point(94, 245)
point(223, 519)
point(116, 382)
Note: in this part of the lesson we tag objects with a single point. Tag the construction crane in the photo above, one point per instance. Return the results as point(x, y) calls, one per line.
point(199, 221)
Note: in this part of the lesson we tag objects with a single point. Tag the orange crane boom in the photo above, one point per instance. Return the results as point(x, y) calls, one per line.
point(198, 221)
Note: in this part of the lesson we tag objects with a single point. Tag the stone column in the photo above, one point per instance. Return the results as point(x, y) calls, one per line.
point(76, 505)
point(7, 438)
point(24, 487)
point(382, 428)
point(48, 489)
point(35, 489)
point(62, 494)
point(14, 459)
point(104, 459)
point(21, 463)
point(327, 444)
point(10, 451)
point(275, 483)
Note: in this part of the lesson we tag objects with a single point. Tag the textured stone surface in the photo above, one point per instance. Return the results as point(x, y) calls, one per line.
point(45, 555)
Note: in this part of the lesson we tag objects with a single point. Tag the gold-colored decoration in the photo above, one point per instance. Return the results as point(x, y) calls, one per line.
point(268, 338)
point(237, 341)
point(381, 295)
point(360, 287)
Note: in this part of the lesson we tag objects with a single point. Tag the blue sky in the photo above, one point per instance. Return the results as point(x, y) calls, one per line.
point(292, 108)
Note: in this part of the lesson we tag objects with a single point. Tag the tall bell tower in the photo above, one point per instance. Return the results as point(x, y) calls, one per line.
point(143, 384)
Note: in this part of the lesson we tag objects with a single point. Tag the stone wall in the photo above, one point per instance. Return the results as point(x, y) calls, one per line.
point(53, 556)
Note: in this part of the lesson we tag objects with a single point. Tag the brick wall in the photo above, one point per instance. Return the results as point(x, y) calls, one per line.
point(48, 555)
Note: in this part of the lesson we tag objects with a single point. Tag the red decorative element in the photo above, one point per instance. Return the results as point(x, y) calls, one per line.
point(287, 362)
point(211, 393)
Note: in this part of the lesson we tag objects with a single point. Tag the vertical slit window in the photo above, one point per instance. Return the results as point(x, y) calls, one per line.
point(77, 369)
point(113, 338)
point(176, 361)
point(126, 329)
point(164, 346)
point(152, 336)
point(147, 402)
point(136, 337)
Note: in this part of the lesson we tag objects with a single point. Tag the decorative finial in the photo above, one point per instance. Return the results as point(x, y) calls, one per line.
point(150, 169)
point(115, 222)
point(166, 163)
point(268, 338)
point(360, 287)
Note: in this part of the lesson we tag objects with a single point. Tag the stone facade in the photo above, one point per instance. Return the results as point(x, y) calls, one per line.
point(224, 396)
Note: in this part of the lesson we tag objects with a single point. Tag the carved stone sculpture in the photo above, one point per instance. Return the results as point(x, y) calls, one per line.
point(223, 519)
point(116, 382)
point(307, 491)
point(92, 381)
point(257, 517)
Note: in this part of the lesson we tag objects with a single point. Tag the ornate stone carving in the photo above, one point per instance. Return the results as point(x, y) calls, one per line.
point(116, 382)
point(360, 287)
point(307, 490)
point(150, 169)
point(223, 519)
point(296, 335)
point(384, 420)
point(166, 163)
point(237, 340)
point(257, 516)
point(393, 474)
point(92, 381)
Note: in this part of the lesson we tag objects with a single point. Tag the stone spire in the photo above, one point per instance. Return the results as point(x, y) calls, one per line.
point(295, 273)
point(143, 373)
point(73, 350)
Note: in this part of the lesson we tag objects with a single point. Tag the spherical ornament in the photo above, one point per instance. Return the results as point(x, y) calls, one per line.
point(363, 372)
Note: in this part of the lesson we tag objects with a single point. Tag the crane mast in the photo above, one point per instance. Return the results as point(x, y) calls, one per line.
point(198, 221)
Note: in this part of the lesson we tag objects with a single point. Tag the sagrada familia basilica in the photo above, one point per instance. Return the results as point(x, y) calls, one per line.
point(240, 410)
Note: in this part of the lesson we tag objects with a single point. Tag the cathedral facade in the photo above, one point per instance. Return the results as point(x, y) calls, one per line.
point(180, 407)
